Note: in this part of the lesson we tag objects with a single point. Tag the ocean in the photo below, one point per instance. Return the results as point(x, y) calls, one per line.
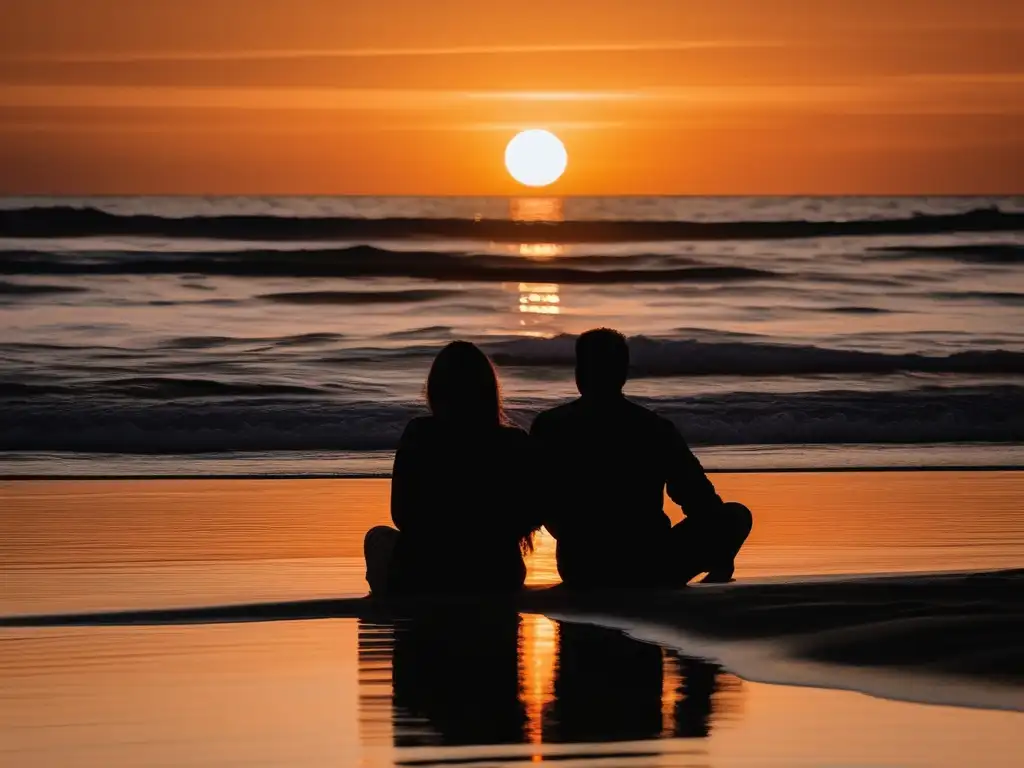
point(249, 336)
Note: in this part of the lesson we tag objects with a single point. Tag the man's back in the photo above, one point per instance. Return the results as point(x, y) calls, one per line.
point(607, 462)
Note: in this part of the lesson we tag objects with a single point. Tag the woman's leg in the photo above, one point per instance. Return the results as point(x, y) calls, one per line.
point(378, 551)
point(709, 545)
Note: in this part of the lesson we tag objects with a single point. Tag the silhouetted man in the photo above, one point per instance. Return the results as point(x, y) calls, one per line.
point(609, 462)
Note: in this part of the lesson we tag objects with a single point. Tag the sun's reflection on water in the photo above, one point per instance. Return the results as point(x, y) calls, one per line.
point(538, 304)
point(536, 209)
point(541, 251)
point(540, 299)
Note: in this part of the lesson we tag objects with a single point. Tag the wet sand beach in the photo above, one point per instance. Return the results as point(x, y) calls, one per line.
point(324, 691)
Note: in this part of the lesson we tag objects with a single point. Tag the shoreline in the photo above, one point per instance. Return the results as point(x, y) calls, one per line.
point(387, 475)
point(377, 463)
point(939, 638)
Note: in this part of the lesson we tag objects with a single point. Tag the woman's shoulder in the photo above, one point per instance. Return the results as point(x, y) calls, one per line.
point(419, 428)
point(429, 427)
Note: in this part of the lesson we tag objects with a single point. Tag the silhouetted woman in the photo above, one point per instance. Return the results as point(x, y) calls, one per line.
point(460, 490)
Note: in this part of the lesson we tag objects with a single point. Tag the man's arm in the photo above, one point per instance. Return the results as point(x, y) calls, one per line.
point(686, 482)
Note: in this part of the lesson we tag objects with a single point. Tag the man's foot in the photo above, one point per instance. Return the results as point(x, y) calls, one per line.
point(718, 577)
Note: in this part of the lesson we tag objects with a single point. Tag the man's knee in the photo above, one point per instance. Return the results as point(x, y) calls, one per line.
point(740, 517)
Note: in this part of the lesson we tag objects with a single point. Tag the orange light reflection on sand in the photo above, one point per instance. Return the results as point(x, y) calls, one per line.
point(538, 646)
point(671, 688)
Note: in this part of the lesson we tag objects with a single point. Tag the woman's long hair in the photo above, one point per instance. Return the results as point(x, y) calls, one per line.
point(463, 388)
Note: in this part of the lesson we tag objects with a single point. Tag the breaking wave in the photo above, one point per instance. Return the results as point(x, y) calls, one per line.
point(658, 357)
point(60, 423)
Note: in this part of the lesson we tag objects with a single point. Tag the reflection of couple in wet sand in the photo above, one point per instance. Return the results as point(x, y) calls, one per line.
point(476, 682)
point(596, 471)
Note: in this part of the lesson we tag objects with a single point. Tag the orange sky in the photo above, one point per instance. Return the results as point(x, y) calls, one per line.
point(420, 97)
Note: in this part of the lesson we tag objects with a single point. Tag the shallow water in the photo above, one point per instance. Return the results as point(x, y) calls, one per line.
point(462, 689)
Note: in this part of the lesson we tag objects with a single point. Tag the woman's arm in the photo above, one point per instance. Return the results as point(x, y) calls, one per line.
point(527, 516)
point(407, 478)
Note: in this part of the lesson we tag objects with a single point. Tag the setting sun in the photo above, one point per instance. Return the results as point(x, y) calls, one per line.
point(536, 158)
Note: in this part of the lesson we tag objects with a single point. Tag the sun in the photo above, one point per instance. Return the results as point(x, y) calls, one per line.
point(536, 158)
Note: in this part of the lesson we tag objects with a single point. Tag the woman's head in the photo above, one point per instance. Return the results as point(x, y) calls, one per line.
point(463, 386)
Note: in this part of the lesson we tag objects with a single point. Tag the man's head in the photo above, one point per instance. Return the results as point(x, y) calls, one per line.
point(602, 362)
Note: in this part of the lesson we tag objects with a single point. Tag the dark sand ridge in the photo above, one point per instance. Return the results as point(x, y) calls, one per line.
point(945, 638)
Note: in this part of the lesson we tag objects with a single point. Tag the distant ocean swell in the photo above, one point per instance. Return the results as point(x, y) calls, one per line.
point(364, 261)
point(65, 221)
point(281, 423)
point(650, 357)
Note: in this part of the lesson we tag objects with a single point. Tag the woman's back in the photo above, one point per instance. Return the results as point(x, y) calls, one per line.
point(456, 498)
point(454, 489)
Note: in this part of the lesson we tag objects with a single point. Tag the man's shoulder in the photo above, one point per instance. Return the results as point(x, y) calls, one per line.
point(648, 425)
point(646, 418)
point(560, 414)
point(579, 412)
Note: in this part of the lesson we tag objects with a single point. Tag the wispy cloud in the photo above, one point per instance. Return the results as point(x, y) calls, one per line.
point(890, 95)
point(341, 99)
point(652, 46)
point(555, 96)
point(972, 78)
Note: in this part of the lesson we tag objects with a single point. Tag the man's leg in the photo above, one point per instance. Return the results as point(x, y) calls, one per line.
point(610, 565)
point(709, 545)
point(378, 550)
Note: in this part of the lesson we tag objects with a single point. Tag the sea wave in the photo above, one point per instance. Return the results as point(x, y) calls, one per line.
point(364, 261)
point(220, 342)
point(68, 221)
point(687, 357)
point(358, 297)
point(160, 388)
point(59, 423)
point(35, 289)
point(977, 253)
point(1010, 298)
point(525, 356)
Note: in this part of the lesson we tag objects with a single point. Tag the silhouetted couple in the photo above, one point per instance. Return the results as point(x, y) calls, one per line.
point(470, 490)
